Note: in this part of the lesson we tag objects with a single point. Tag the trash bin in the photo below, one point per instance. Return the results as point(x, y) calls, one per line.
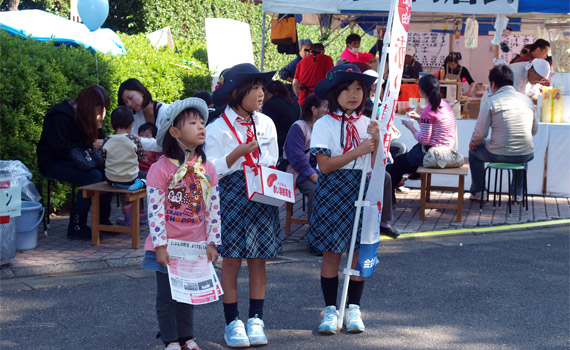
point(27, 225)
point(8, 242)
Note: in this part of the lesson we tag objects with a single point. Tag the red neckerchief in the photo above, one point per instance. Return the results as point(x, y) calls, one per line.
point(249, 134)
point(352, 139)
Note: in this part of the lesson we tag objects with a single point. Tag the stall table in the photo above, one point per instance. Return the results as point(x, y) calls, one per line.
point(551, 145)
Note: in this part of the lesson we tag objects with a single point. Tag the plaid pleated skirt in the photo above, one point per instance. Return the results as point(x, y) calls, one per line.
point(250, 230)
point(330, 228)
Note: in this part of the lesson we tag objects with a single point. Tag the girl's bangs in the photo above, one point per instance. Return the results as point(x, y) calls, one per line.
point(186, 115)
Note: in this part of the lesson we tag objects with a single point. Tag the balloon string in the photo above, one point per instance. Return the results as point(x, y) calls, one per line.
point(97, 67)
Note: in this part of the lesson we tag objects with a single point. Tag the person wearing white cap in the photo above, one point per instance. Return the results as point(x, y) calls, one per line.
point(412, 68)
point(533, 72)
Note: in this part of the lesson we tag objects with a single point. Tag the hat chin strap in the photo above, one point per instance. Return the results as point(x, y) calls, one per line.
point(186, 149)
point(253, 124)
point(342, 128)
point(250, 113)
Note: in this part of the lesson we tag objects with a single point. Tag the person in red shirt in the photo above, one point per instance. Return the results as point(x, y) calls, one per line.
point(351, 51)
point(310, 71)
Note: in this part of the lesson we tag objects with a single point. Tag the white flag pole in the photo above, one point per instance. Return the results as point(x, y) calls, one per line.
point(348, 271)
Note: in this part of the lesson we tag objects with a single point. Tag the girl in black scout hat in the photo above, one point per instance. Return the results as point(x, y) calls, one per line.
point(339, 145)
point(250, 230)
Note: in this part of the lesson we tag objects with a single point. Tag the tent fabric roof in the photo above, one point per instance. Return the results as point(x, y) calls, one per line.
point(332, 6)
point(44, 26)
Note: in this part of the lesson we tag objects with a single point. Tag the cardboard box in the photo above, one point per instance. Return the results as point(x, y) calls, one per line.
point(473, 108)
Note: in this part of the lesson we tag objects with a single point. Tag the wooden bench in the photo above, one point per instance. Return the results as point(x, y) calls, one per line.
point(426, 187)
point(290, 220)
point(94, 191)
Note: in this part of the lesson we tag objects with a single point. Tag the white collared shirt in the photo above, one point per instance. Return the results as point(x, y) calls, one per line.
point(520, 76)
point(139, 118)
point(326, 134)
point(221, 141)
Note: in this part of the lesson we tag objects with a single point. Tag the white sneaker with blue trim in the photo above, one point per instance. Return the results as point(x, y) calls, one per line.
point(353, 320)
point(330, 320)
point(235, 335)
point(255, 331)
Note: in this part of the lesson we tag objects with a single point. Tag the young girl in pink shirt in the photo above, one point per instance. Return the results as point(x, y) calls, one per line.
point(183, 204)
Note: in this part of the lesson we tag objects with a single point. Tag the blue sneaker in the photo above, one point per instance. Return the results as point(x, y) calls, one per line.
point(330, 320)
point(255, 331)
point(235, 335)
point(353, 320)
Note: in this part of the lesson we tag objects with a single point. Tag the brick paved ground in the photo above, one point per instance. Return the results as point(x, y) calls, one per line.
point(56, 249)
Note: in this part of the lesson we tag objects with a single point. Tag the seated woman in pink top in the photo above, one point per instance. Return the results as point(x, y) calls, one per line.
point(437, 128)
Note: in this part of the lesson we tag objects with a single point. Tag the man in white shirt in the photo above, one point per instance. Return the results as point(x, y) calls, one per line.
point(533, 72)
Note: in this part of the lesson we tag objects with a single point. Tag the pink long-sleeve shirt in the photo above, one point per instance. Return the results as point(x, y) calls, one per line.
point(437, 128)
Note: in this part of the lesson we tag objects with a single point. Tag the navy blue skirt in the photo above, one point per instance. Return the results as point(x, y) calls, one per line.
point(250, 230)
point(330, 228)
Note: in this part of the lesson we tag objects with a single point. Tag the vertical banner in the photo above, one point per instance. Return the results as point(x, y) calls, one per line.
point(370, 238)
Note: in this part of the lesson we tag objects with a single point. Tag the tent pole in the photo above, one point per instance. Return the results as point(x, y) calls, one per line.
point(348, 271)
point(262, 42)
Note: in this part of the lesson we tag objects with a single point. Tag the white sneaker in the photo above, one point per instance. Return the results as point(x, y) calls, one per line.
point(329, 323)
point(476, 197)
point(235, 335)
point(255, 331)
point(353, 320)
point(403, 189)
point(173, 346)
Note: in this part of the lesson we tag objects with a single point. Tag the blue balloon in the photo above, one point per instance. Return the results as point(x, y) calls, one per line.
point(93, 13)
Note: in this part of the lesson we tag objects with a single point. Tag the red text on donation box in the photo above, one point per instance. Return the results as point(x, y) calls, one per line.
point(269, 186)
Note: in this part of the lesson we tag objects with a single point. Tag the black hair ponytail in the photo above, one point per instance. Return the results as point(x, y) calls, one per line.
point(435, 99)
point(430, 85)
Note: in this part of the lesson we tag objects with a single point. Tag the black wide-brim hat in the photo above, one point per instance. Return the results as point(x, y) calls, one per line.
point(339, 74)
point(233, 77)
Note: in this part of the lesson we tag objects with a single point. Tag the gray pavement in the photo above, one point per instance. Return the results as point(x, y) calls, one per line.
point(494, 291)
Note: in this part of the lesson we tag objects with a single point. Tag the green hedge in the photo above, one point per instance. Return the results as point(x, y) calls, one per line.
point(186, 20)
point(36, 75)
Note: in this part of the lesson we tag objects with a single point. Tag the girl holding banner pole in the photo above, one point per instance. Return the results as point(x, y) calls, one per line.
point(339, 147)
point(250, 230)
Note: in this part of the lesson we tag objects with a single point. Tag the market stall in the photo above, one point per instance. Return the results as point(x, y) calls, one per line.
point(445, 22)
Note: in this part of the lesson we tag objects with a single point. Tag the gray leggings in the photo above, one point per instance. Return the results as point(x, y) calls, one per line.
point(175, 320)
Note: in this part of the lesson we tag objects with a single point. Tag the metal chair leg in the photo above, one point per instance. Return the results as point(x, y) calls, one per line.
point(525, 190)
point(509, 193)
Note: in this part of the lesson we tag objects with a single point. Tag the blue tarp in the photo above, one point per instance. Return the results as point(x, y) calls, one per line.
point(44, 26)
point(550, 6)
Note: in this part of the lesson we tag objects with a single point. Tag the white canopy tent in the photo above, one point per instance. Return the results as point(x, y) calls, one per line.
point(367, 6)
point(528, 16)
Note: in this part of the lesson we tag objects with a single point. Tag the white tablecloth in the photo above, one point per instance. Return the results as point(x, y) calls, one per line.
point(554, 136)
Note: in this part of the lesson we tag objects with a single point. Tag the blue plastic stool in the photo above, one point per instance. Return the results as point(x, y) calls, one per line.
point(510, 167)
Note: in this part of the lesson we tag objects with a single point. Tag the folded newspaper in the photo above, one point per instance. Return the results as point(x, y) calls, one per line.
point(193, 280)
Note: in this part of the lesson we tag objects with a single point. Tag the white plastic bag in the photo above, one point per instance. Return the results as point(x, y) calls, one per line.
point(17, 170)
point(471, 33)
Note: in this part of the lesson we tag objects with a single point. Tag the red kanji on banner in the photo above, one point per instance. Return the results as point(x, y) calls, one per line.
point(400, 52)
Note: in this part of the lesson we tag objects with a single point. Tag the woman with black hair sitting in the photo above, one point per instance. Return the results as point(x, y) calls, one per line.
point(134, 95)
point(437, 128)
